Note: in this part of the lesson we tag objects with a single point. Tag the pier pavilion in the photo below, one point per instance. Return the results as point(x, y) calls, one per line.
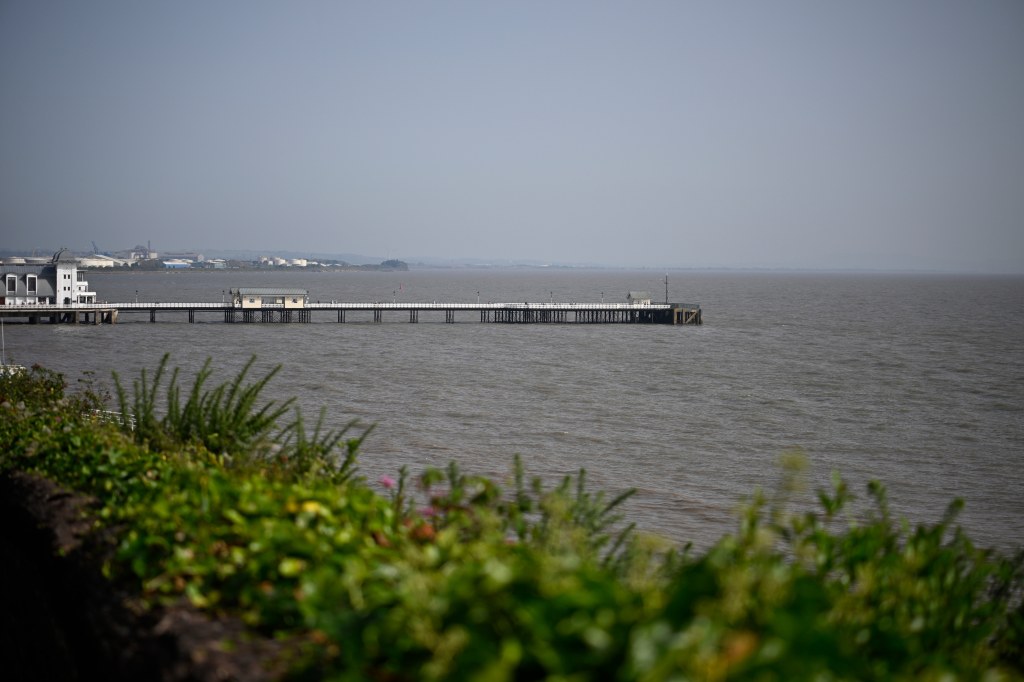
point(31, 281)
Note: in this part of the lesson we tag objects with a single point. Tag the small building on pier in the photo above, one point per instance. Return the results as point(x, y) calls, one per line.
point(263, 297)
point(639, 298)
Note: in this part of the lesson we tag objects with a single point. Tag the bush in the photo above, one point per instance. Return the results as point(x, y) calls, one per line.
point(448, 577)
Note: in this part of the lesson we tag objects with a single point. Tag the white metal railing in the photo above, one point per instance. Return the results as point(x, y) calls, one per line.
point(204, 305)
point(334, 305)
point(486, 306)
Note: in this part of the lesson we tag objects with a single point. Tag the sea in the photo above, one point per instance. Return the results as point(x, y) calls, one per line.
point(913, 380)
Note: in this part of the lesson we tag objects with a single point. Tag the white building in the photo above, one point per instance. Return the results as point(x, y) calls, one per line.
point(59, 281)
point(264, 297)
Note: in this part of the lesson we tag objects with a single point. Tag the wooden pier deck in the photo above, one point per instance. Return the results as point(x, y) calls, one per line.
point(500, 313)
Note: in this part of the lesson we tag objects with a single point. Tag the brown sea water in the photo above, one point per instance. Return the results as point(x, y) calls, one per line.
point(914, 380)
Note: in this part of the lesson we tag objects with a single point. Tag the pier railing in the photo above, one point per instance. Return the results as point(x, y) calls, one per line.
point(332, 305)
point(516, 312)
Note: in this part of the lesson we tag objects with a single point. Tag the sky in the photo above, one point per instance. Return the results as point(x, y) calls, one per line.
point(876, 134)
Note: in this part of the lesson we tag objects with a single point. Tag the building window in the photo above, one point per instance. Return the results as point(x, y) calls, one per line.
point(81, 276)
point(12, 284)
point(30, 285)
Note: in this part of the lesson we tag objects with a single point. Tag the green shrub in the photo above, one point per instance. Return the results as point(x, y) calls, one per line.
point(449, 577)
point(226, 420)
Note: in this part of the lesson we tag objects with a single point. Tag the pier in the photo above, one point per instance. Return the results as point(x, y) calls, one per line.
point(377, 312)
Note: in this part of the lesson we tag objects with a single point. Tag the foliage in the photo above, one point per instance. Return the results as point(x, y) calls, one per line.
point(225, 420)
point(446, 576)
point(37, 386)
point(222, 419)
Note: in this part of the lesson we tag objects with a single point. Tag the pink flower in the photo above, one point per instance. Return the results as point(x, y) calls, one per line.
point(427, 511)
point(387, 481)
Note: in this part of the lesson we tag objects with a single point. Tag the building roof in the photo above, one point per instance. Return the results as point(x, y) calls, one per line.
point(268, 291)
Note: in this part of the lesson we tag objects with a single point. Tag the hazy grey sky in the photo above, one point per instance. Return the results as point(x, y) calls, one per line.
point(861, 133)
